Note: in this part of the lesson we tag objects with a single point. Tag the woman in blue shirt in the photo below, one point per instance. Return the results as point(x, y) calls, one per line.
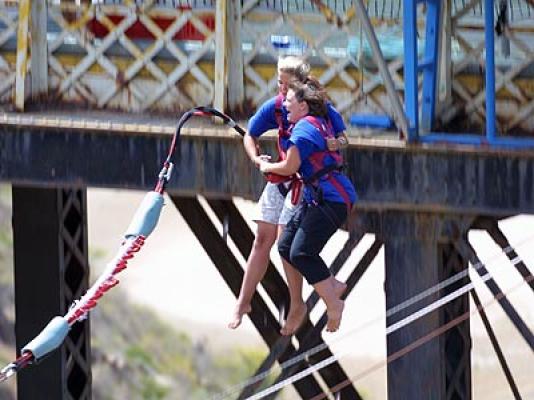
point(275, 208)
point(328, 193)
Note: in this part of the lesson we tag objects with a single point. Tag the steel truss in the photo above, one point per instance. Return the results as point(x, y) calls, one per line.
point(51, 271)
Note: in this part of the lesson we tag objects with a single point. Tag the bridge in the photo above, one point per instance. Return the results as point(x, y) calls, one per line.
point(91, 100)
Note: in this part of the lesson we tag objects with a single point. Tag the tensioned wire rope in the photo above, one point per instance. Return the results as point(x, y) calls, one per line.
point(422, 340)
point(392, 328)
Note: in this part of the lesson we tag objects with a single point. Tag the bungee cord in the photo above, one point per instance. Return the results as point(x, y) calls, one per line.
point(412, 346)
point(390, 312)
point(141, 226)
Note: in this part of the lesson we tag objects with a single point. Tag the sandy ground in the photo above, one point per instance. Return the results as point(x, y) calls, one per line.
point(174, 276)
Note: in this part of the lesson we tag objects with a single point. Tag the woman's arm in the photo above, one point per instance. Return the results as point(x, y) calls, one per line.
point(251, 148)
point(286, 167)
point(340, 141)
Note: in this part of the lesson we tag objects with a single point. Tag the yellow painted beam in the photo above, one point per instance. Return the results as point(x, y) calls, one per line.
point(22, 53)
point(221, 43)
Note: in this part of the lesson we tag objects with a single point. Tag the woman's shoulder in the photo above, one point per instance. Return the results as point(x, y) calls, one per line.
point(307, 126)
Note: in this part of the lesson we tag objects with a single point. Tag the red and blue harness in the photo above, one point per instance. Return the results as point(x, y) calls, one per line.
point(317, 160)
point(320, 169)
point(283, 134)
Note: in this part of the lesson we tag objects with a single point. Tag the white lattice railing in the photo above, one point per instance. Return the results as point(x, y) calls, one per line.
point(115, 71)
point(515, 100)
point(8, 35)
point(95, 56)
point(350, 76)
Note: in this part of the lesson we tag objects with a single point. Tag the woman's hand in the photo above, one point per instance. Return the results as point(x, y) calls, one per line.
point(264, 166)
point(332, 144)
point(259, 158)
point(337, 143)
point(286, 167)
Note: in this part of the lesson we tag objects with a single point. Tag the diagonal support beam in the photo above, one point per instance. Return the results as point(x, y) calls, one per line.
point(243, 238)
point(492, 227)
point(231, 271)
point(400, 117)
point(276, 288)
point(469, 253)
point(496, 346)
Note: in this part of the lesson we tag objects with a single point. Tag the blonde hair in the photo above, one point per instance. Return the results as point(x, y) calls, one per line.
point(294, 66)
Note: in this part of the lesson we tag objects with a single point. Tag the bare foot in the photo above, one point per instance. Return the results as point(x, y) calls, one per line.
point(240, 310)
point(294, 320)
point(334, 312)
point(339, 287)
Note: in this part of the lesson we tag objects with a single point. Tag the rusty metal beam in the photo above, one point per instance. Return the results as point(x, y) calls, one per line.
point(387, 176)
point(243, 238)
point(414, 261)
point(470, 254)
point(497, 235)
point(496, 346)
point(51, 271)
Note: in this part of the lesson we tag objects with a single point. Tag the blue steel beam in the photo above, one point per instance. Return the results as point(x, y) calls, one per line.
point(471, 139)
point(410, 68)
point(431, 59)
point(490, 70)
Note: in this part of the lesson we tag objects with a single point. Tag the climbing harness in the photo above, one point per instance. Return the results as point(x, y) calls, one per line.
point(322, 171)
point(284, 183)
point(141, 226)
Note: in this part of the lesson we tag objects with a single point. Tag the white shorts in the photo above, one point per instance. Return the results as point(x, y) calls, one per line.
point(274, 208)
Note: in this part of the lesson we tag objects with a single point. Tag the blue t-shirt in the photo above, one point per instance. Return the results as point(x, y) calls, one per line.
point(309, 140)
point(265, 119)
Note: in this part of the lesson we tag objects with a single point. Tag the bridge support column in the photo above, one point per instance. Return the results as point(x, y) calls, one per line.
point(419, 254)
point(51, 270)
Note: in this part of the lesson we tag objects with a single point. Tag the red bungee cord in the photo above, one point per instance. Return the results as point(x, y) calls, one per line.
point(142, 225)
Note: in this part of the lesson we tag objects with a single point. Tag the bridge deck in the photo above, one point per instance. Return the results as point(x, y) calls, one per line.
point(145, 124)
point(135, 123)
point(126, 151)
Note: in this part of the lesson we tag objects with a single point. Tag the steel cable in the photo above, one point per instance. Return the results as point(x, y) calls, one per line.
point(390, 312)
point(412, 346)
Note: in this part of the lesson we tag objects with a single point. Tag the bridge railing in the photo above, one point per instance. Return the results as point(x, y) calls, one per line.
point(162, 56)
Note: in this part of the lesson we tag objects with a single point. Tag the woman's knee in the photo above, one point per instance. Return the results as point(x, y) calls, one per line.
point(265, 238)
point(298, 257)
